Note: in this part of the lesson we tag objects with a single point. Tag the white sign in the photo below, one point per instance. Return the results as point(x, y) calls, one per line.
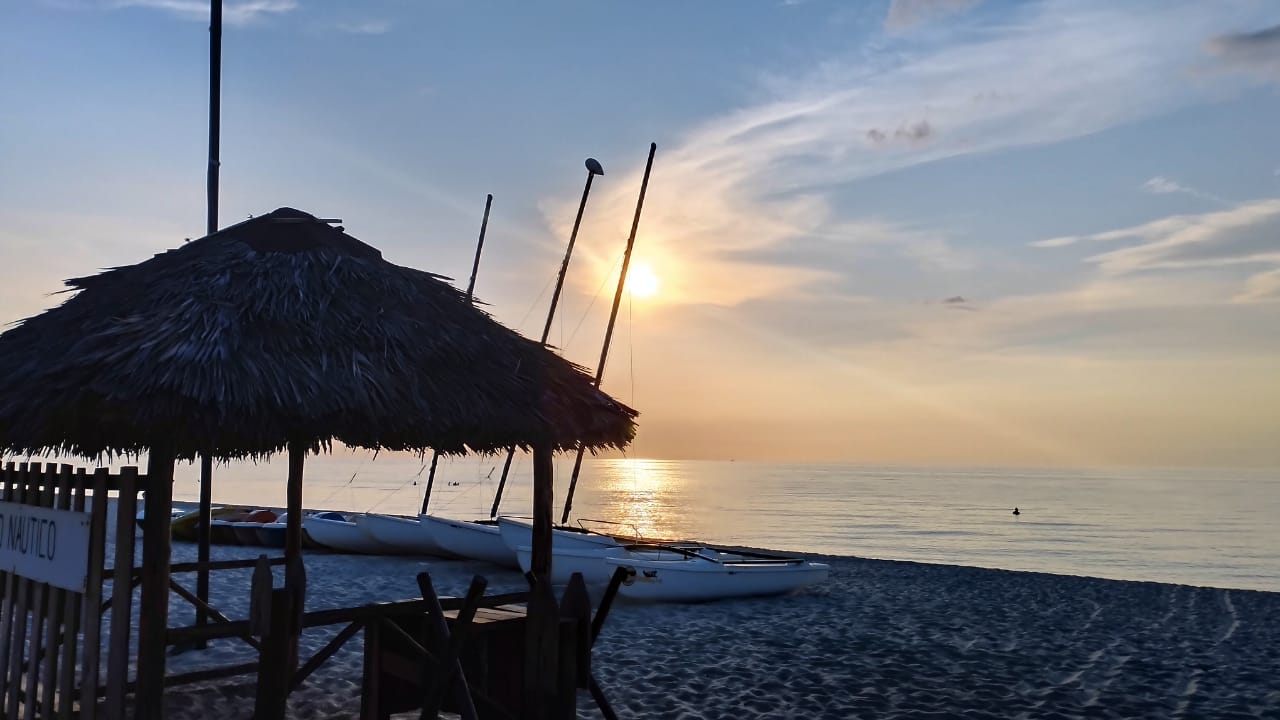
point(50, 546)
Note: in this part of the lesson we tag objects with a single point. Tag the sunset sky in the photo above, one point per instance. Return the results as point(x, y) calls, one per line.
point(918, 231)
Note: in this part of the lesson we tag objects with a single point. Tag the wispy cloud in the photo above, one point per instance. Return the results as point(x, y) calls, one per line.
point(766, 176)
point(233, 13)
point(1256, 52)
point(905, 14)
point(1243, 235)
point(1160, 185)
point(366, 27)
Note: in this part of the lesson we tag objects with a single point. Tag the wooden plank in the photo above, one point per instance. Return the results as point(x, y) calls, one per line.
point(48, 479)
point(449, 665)
point(542, 635)
point(121, 594)
point(53, 609)
point(22, 594)
point(274, 672)
point(14, 491)
point(324, 654)
point(73, 607)
point(575, 607)
point(153, 619)
point(93, 598)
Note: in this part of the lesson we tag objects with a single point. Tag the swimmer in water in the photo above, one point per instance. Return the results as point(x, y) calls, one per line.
point(1016, 511)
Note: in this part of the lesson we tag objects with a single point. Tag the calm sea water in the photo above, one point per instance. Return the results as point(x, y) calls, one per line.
point(1201, 527)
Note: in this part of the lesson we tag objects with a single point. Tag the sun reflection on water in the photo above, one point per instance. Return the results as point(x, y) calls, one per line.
point(642, 494)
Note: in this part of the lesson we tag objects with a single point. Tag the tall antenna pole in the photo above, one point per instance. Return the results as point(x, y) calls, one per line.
point(593, 168)
point(613, 318)
point(211, 227)
point(471, 286)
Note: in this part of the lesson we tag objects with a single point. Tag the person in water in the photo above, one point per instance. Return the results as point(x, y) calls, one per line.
point(1016, 511)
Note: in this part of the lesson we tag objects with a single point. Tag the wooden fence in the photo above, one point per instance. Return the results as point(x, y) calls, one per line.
point(51, 642)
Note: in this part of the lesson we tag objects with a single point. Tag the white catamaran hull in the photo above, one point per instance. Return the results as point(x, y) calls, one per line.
point(697, 579)
point(478, 540)
point(401, 535)
point(343, 536)
point(567, 561)
point(519, 533)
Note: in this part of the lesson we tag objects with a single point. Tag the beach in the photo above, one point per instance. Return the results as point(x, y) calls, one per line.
point(879, 639)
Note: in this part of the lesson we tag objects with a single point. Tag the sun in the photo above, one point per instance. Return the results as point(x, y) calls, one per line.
point(641, 281)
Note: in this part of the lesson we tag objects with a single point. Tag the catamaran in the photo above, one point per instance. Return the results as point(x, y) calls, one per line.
point(682, 572)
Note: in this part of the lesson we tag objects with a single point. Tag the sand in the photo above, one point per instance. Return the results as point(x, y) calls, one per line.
point(879, 639)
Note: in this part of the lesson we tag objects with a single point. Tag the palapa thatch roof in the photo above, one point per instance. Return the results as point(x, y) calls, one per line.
point(284, 329)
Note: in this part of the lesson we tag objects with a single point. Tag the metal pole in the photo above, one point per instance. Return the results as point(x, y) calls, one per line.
point(593, 169)
point(211, 227)
point(471, 286)
point(613, 317)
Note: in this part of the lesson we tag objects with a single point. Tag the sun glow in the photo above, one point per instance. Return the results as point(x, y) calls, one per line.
point(641, 281)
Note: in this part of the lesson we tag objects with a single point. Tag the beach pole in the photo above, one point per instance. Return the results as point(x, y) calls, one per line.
point(211, 226)
point(613, 318)
point(471, 286)
point(593, 168)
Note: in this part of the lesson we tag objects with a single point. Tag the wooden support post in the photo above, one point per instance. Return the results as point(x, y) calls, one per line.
point(293, 529)
point(543, 506)
point(204, 538)
point(153, 622)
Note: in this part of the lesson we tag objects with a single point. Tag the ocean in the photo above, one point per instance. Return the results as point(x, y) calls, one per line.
point(1215, 528)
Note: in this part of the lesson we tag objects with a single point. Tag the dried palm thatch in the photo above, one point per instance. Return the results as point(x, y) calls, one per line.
point(281, 330)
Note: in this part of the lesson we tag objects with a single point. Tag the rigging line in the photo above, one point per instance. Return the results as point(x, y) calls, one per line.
point(403, 485)
point(583, 317)
point(346, 485)
point(535, 302)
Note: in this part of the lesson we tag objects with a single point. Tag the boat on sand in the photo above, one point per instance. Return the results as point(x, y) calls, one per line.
point(401, 534)
point(683, 572)
point(334, 531)
point(475, 539)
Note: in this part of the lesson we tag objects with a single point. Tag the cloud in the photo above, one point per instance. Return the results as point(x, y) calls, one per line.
point(906, 14)
point(1247, 234)
point(910, 133)
point(769, 175)
point(366, 27)
point(1263, 287)
point(1256, 53)
point(1160, 185)
point(233, 13)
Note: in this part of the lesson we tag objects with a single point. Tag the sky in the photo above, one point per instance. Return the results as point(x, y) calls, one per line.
point(962, 232)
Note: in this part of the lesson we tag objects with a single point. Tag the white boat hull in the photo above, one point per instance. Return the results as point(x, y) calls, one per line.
point(567, 561)
point(700, 580)
point(475, 540)
point(401, 535)
point(519, 533)
point(343, 536)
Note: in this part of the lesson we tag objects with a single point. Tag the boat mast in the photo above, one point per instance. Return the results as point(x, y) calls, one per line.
point(593, 169)
point(203, 538)
point(471, 286)
point(613, 317)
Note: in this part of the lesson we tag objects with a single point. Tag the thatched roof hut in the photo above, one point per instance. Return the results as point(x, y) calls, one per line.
point(282, 332)
point(284, 329)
